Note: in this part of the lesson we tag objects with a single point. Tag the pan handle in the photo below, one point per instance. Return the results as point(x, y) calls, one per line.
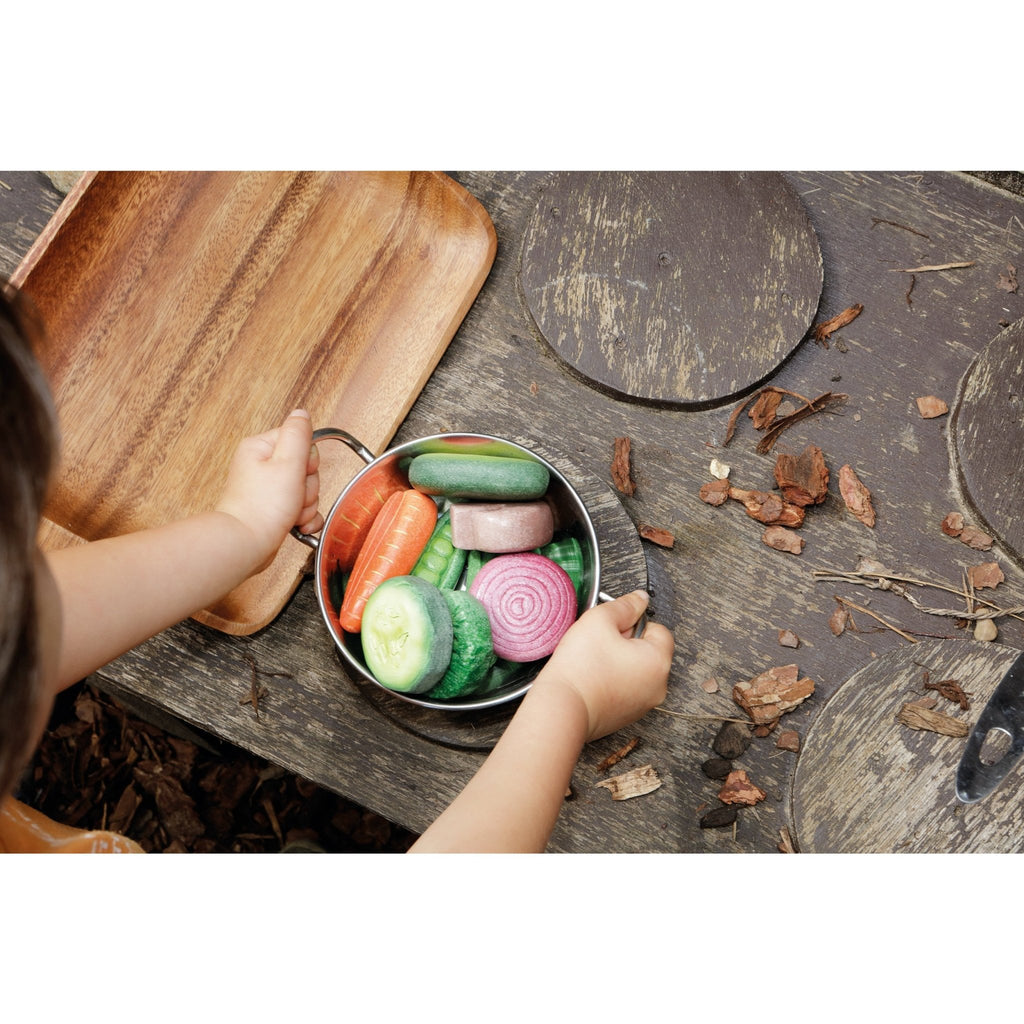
point(311, 540)
point(638, 628)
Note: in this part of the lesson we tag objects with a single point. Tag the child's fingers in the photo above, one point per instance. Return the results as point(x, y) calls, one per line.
point(659, 637)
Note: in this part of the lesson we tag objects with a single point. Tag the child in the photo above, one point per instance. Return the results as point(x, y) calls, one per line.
point(67, 613)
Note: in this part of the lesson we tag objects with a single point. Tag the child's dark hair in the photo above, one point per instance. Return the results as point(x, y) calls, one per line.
point(28, 449)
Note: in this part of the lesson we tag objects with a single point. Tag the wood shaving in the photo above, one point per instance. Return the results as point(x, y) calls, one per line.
point(762, 414)
point(824, 331)
point(781, 539)
point(803, 478)
point(986, 575)
point(930, 407)
point(856, 496)
point(767, 401)
point(932, 266)
point(915, 717)
point(656, 535)
point(772, 693)
point(622, 475)
point(787, 638)
point(953, 524)
point(975, 538)
point(616, 756)
point(738, 789)
point(637, 782)
point(839, 620)
point(952, 691)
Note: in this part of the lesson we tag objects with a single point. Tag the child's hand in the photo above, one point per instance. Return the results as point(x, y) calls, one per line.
point(619, 678)
point(274, 484)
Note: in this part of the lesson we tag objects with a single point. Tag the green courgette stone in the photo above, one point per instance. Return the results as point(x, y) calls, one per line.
point(486, 477)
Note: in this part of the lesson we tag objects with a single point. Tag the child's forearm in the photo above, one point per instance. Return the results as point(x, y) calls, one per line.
point(513, 801)
point(119, 591)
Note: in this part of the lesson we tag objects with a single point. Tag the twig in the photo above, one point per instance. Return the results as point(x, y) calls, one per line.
point(879, 220)
point(937, 266)
point(867, 611)
point(701, 718)
point(891, 581)
point(773, 433)
point(615, 757)
point(913, 281)
point(257, 692)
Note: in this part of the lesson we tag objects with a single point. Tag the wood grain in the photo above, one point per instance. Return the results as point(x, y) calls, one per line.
point(188, 310)
point(682, 288)
point(987, 438)
point(866, 783)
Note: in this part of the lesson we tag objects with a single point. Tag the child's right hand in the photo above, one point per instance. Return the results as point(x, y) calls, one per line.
point(618, 677)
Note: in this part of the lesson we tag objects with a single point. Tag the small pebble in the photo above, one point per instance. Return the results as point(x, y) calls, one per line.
point(732, 740)
point(719, 817)
point(719, 470)
point(717, 768)
point(985, 629)
point(710, 685)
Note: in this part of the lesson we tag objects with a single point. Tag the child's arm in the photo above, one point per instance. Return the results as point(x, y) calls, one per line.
point(119, 591)
point(599, 680)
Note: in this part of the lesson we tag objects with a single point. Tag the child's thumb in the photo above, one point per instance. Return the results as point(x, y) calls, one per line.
point(294, 437)
point(628, 609)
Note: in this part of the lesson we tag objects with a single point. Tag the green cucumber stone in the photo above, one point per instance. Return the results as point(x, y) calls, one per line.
point(407, 634)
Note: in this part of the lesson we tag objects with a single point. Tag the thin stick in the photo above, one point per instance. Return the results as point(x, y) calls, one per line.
point(880, 220)
point(937, 266)
point(884, 579)
point(878, 618)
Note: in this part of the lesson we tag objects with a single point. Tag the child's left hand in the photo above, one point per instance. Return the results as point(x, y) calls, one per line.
point(274, 484)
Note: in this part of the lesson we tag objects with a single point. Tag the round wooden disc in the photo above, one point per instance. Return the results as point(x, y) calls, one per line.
point(865, 783)
point(987, 438)
point(623, 569)
point(679, 288)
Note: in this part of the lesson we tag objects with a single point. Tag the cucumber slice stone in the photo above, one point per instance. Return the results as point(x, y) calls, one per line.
point(407, 634)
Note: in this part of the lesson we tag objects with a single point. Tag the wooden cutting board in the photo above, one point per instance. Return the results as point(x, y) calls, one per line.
point(188, 310)
point(866, 783)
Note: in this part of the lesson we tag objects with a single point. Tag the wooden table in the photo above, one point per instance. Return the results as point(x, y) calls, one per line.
point(724, 593)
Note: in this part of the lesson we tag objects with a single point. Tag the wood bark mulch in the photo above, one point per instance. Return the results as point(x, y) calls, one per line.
point(99, 767)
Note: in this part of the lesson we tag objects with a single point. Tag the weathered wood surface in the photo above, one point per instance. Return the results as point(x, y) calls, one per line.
point(684, 289)
point(722, 591)
point(190, 310)
point(987, 438)
point(866, 783)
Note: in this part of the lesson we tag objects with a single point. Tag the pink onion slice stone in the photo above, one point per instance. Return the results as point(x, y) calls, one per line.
point(530, 601)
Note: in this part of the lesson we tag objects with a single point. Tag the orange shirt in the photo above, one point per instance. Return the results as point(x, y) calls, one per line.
point(25, 830)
